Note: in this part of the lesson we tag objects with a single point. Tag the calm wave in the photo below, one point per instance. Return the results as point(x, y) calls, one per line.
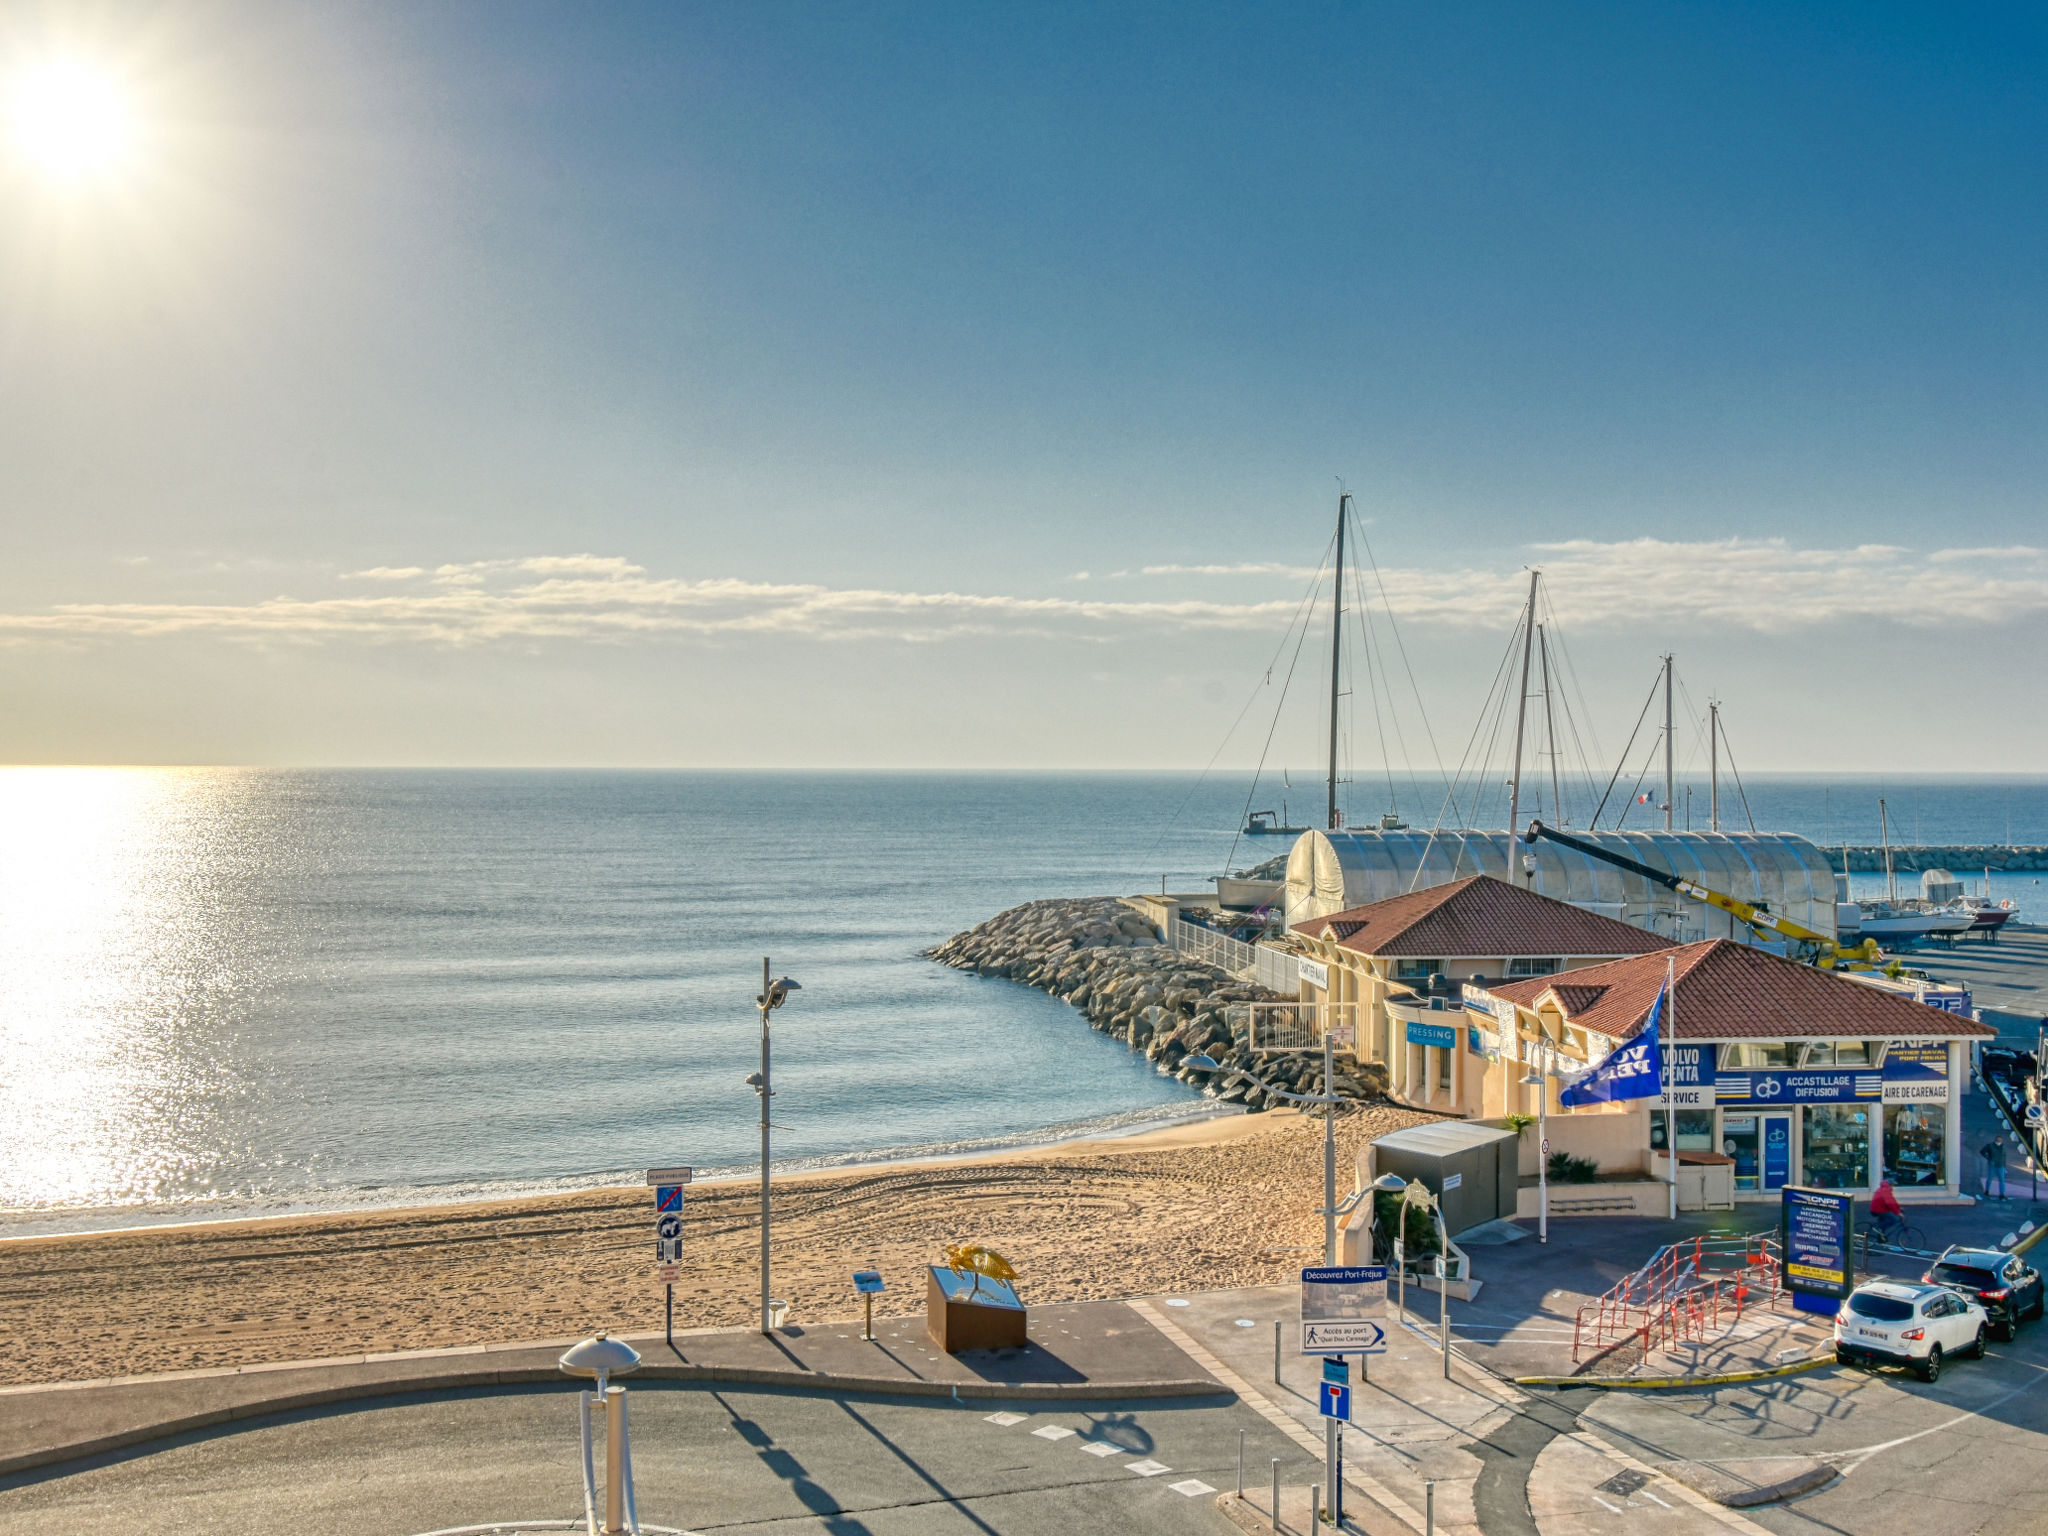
point(225, 991)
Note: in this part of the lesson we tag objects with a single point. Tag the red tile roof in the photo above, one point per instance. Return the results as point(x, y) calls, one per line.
point(1729, 991)
point(1479, 917)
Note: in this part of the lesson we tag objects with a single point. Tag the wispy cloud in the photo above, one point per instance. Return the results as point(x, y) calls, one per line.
point(1759, 585)
point(1241, 568)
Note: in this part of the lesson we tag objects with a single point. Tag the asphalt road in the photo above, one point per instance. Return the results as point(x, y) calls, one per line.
point(705, 1461)
point(1964, 1457)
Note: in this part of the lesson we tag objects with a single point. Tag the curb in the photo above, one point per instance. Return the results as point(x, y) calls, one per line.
point(1639, 1383)
point(1708, 1481)
point(519, 1376)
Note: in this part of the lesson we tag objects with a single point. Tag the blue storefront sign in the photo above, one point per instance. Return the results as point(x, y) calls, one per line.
point(1433, 1034)
point(1778, 1090)
point(1817, 1228)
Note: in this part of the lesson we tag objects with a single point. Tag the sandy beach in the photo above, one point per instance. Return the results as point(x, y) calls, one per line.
point(1215, 1203)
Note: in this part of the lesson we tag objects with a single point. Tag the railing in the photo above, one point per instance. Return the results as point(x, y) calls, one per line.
point(1259, 964)
point(1274, 1027)
point(1682, 1293)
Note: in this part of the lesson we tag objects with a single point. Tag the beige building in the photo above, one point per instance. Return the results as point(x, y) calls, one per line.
point(1397, 971)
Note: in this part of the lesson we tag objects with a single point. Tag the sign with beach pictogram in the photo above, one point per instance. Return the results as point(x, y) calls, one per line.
point(668, 1197)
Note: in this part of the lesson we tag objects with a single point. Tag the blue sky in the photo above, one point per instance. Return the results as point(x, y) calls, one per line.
point(683, 372)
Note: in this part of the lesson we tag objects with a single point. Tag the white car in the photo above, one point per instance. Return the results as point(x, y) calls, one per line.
point(1898, 1322)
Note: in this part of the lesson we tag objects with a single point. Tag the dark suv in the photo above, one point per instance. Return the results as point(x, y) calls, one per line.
point(2002, 1284)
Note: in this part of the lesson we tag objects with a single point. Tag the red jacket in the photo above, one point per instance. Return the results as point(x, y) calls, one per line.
point(1884, 1202)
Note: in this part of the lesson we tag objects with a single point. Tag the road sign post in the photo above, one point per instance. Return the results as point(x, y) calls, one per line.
point(667, 1184)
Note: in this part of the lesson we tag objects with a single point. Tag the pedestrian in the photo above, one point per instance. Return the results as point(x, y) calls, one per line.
point(1994, 1165)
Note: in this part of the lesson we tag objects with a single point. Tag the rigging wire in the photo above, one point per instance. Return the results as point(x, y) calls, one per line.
point(1307, 601)
point(1622, 762)
point(1751, 819)
point(1387, 604)
point(1264, 751)
point(1651, 757)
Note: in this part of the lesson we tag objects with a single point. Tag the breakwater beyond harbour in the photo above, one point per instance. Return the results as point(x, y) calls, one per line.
point(1103, 957)
point(1962, 859)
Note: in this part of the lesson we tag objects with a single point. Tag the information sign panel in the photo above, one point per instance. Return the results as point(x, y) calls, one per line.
point(867, 1282)
point(1818, 1230)
point(1343, 1310)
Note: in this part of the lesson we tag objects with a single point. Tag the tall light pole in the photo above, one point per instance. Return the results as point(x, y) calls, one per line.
point(773, 995)
point(1328, 1099)
point(1539, 1080)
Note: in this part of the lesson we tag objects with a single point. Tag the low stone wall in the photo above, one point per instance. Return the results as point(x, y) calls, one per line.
point(1098, 954)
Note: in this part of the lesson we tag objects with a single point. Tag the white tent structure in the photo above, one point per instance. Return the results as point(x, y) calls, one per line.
point(1330, 872)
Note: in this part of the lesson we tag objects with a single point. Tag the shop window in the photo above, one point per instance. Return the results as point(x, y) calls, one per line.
point(1416, 970)
point(1528, 967)
point(1837, 1146)
point(1740, 1054)
point(1695, 1129)
point(1915, 1144)
point(1839, 1053)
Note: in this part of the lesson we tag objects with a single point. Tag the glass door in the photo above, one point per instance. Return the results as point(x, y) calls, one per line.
point(1739, 1140)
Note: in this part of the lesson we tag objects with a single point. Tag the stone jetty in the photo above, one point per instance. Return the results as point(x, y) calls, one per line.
point(1963, 859)
point(1104, 957)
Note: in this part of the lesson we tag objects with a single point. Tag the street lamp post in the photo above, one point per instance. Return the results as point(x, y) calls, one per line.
point(773, 995)
point(1329, 1100)
point(1538, 1080)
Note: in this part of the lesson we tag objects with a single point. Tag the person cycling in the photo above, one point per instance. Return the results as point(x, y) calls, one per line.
point(1887, 1221)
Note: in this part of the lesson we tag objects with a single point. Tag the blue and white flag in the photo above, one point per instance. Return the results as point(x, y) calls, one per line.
point(1631, 1071)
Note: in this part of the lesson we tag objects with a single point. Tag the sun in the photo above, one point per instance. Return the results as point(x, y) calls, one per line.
point(70, 121)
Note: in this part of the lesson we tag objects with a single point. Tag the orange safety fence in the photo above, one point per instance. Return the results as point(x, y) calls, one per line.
point(1684, 1292)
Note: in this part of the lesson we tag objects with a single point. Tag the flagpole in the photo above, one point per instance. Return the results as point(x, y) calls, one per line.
point(1670, 1112)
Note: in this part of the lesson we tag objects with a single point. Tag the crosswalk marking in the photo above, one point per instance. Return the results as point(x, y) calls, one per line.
point(1191, 1488)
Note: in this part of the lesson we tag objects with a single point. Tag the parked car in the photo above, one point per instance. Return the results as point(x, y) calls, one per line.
point(1895, 1322)
point(2004, 1284)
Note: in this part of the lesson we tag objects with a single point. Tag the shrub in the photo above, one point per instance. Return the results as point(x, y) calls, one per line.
point(1566, 1169)
point(1518, 1123)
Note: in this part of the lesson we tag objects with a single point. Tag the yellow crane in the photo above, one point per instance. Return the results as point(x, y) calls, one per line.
point(1818, 948)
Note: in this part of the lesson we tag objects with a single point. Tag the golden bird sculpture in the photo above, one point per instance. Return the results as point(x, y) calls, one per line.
point(982, 1263)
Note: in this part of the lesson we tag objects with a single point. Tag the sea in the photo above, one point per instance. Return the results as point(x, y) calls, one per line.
point(235, 992)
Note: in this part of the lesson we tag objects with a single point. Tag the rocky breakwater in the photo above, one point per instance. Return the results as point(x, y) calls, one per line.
point(1107, 960)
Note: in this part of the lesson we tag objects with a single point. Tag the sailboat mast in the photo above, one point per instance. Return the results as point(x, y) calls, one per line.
point(1337, 654)
point(1714, 761)
point(1521, 713)
point(1668, 794)
point(1884, 830)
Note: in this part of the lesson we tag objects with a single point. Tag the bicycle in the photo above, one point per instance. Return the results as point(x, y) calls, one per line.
point(1897, 1233)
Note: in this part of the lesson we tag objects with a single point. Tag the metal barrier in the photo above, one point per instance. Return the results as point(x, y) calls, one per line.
point(1682, 1293)
point(1269, 1028)
point(1260, 964)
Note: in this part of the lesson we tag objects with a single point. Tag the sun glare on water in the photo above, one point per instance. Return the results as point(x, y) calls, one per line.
point(70, 121)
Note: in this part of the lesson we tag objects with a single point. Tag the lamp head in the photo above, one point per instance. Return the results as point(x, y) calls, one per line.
point(778, 993)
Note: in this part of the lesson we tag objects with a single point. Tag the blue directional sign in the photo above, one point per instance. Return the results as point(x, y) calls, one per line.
point(1336, 1368)
point(668, 1197)
point(1336, 1401)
